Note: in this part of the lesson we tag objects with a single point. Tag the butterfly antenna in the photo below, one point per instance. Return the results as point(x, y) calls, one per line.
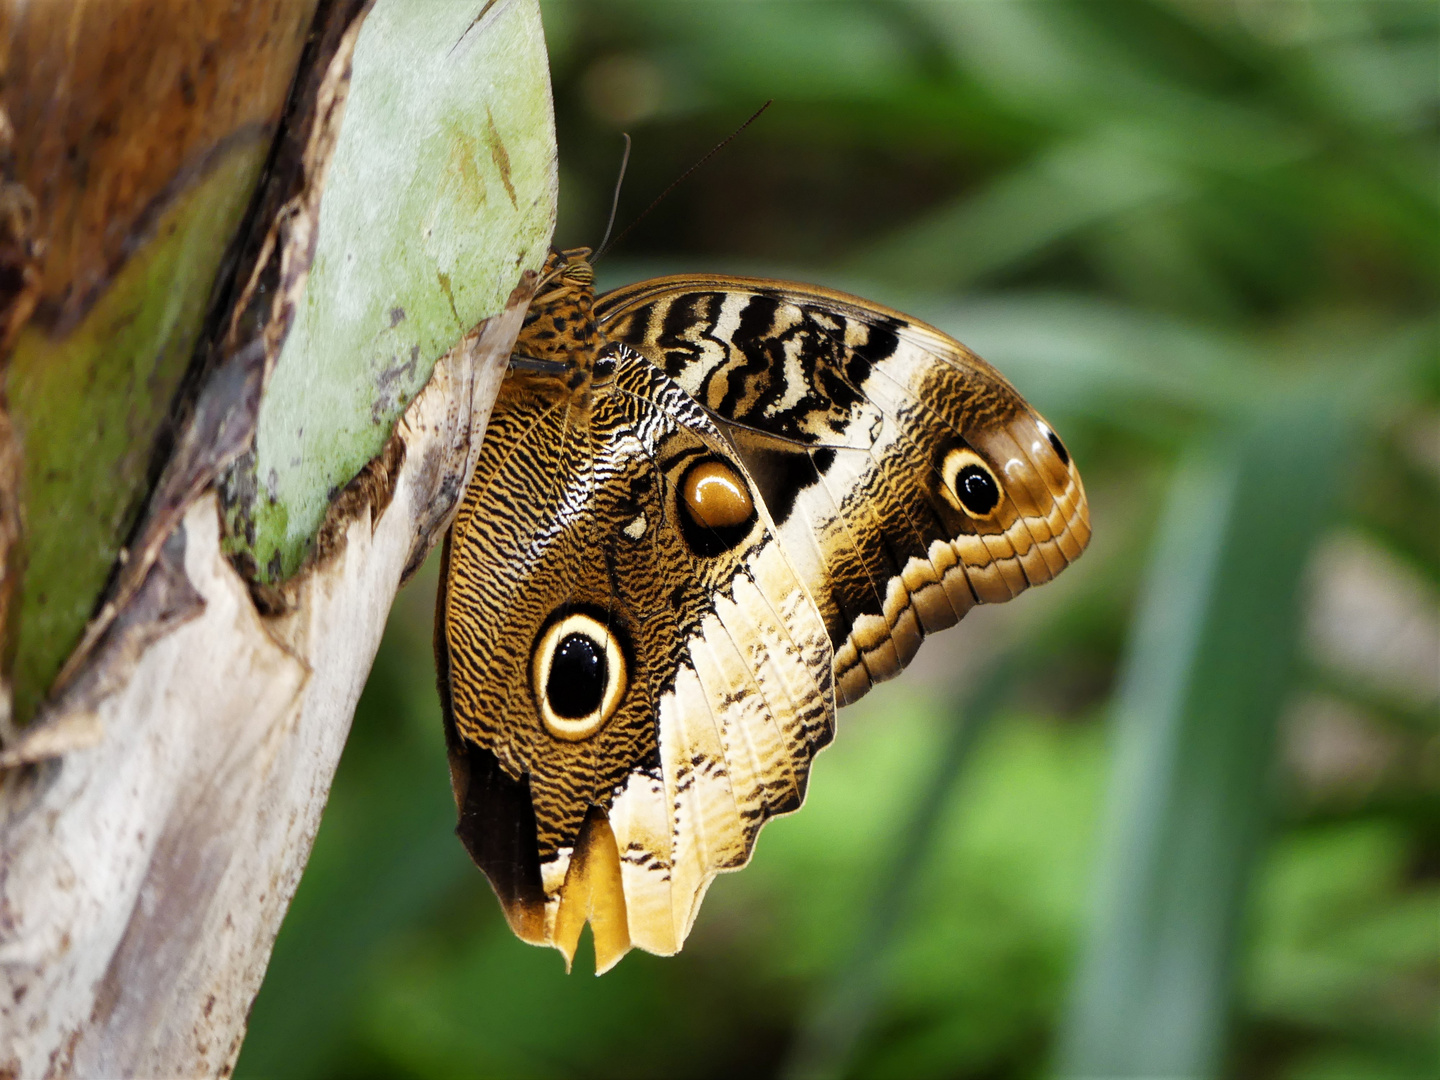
point(678, 181)
point(615, 201)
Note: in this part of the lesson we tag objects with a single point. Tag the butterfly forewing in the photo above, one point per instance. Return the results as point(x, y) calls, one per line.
point(858, 423)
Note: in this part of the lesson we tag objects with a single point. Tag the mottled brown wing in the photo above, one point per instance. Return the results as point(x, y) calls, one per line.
point(616, 797)
point(906, 478)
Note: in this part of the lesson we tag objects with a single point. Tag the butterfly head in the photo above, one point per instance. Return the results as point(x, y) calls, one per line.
point(559, 337)
point(572, 267)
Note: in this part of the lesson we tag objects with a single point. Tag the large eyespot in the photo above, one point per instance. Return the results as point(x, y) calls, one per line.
point(969, 484)
point(716, 508)
point(579, 676)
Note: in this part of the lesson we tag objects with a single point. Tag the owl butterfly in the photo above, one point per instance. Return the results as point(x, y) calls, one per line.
point(707, 511)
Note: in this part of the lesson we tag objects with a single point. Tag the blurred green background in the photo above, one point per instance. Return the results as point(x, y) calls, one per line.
point(1174, 814)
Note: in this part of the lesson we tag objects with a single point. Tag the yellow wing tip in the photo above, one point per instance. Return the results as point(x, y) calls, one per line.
point(593, 892)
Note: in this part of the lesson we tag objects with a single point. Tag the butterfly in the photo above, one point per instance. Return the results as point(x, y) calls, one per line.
point(707, 512)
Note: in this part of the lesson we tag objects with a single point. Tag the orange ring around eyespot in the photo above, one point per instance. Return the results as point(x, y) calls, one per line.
point(579, 728)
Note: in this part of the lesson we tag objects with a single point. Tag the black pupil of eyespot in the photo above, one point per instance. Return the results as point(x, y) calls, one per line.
point(578, 675)
point(976, 489)
point(1059, 448)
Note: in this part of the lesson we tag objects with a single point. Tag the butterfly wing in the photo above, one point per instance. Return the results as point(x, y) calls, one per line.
point(634, 685)
point(906, 478)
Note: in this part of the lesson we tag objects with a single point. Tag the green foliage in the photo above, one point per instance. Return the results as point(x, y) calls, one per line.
point(1196, 713)
point(90, 406)
point(1203, 239)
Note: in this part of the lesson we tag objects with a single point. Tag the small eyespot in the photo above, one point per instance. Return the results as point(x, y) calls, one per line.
point(716, 507)
point(1056, 444)
point(579, 676)
point(976, 489)
point(969, 485)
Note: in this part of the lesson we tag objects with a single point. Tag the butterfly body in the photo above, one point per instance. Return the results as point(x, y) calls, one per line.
point(707, 510)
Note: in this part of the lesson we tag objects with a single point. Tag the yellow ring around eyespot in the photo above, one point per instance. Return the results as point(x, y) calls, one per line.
point(716, 496)
point(579, 728)
point(956, 460)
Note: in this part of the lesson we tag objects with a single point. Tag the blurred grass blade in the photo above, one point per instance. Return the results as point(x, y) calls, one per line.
point(1070, 188)
point(826, 1043)
point(1208, 667)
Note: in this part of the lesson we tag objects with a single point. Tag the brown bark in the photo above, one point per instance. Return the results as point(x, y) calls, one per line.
point(156, 814)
